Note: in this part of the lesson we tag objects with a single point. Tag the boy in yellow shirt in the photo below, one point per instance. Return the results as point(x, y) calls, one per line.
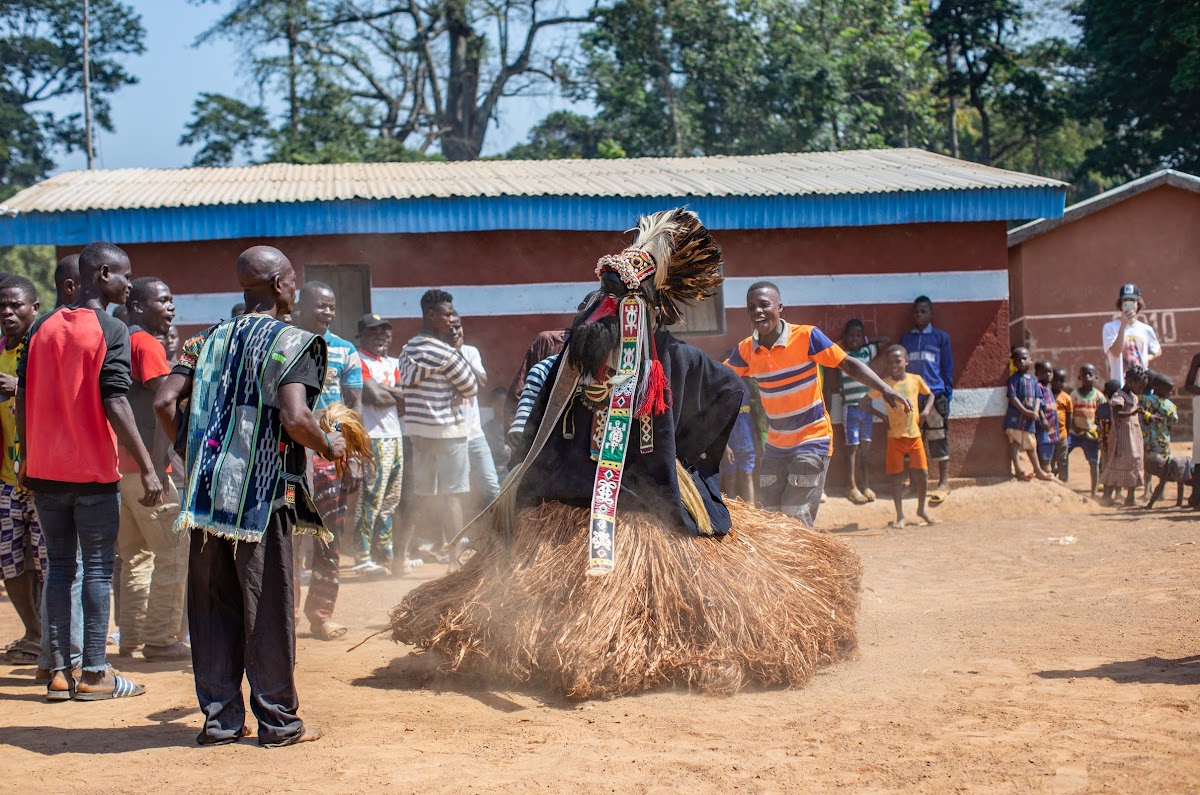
point(904, 433)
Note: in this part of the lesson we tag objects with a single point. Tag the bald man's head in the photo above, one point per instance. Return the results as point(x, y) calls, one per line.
point(267, 280)
point(260, 264)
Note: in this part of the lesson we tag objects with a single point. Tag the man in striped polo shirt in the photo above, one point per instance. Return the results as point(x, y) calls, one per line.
point(782, 358)
point(437, 381)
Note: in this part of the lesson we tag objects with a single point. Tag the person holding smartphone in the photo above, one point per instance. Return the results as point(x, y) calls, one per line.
point(1128, 341)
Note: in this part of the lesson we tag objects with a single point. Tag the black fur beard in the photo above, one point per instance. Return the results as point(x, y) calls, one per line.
point(590, 343)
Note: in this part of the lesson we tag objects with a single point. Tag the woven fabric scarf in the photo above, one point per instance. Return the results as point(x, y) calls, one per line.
point(615, 442)
point(234, 438)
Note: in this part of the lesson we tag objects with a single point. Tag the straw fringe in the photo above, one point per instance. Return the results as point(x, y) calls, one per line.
point(767, 604)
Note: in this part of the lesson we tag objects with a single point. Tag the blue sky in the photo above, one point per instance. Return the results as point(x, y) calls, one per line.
point(149, 117)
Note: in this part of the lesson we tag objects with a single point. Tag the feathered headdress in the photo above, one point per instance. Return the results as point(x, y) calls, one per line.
point(673, 263)
point(678, 251)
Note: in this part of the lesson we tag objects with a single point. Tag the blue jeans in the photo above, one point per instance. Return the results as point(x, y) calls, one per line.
point(76, 524)
point(484, 480)
point(45, 660)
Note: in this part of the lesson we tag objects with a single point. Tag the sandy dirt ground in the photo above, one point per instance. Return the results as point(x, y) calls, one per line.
point(1031, 642)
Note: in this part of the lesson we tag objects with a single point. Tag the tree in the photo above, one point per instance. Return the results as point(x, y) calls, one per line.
point(1143, 82)
point(35, 263)
point(565, 135)
point(40, 61)
point(226, 128)
point(977, 39)
point(326, 125)
point(681, 77)
point(882, 74)
point(421, 74)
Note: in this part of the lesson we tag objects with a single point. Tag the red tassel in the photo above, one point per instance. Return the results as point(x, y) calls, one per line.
point(658, 391)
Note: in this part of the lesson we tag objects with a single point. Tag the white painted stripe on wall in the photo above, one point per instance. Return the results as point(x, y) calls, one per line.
point(1107, 315)
point(201, 309)
point(878, 288)
point(558, 298)
point(972, 403)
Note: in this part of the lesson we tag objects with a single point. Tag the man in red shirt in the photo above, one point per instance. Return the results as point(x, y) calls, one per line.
point(154, 574)
point(71, 408)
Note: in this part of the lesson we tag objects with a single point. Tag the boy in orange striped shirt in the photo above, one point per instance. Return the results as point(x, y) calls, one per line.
point(783, 360)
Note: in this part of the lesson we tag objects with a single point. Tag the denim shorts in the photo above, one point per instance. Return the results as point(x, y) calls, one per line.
point(1091, 447)
point(857, 424)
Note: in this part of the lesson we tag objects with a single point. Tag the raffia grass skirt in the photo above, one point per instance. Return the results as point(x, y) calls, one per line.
point(767, 604)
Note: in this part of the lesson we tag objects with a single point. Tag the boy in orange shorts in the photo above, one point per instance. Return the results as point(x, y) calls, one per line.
point(904, 433)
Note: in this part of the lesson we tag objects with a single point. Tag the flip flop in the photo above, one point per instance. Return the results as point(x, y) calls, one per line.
point(938, 497)
point(23, 651)
point(61, 695)
point(122, 688)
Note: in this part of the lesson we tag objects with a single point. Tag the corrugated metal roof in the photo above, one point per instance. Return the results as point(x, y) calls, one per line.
point(1175, 179)
point(814, 174)
point(788, 191)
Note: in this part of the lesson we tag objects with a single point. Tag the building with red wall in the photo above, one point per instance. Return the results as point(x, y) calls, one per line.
point(851, 234)
point(1066, 272)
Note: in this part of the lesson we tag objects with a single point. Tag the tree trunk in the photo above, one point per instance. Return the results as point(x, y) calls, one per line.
point(293, 103)
point(463, 130)
point(952, 90)
point(985, 137)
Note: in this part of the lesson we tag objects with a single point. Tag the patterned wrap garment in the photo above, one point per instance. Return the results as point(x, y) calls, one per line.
point(241, 465)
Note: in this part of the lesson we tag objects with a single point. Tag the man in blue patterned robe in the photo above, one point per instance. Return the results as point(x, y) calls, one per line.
point(251, 383)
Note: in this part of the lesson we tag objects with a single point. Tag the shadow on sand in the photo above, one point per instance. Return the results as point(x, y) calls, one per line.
point(54, 740)
point(419, 671)
point(1147, 671)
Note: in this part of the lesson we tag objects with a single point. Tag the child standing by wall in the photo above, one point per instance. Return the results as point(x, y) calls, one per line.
point(1086, 401)
point(904, 433)
point(1020, 420)
point(1123, 470)
point(857, 421)
point(930, 357)
point(1158, 413)
point(1065, 406)
point(1104, 418)
point(1047, 426)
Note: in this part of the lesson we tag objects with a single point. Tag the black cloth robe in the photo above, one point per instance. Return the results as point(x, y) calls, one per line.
point(705, 399)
